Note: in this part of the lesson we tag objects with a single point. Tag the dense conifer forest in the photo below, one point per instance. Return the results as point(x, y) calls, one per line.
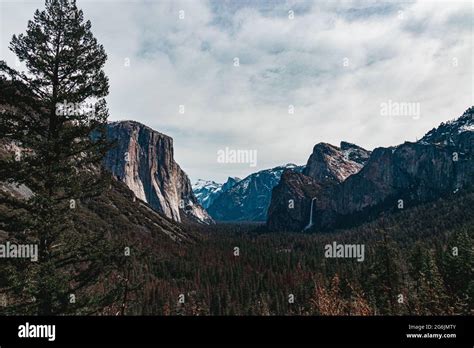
point(417, 262)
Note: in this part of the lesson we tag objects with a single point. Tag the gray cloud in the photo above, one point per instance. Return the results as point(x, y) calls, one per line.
point(399, 51)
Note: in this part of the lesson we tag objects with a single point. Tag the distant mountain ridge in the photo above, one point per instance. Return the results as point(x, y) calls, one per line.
point(248, 199)
point(336, 182)
point(452, 132)
point(207, 191)
point(241, 200)
point(408, 174)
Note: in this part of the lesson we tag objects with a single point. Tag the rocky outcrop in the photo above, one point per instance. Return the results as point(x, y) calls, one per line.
point(393, 178)
point(142, 158)
point(456, 132)
point(292, 198)
point(249, 198)
point(231, 182)
point(329, 163)
point(291, 201)
point(410, 172)
point(355, 153)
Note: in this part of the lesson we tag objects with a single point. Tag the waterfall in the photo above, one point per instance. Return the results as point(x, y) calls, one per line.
point(310, 224)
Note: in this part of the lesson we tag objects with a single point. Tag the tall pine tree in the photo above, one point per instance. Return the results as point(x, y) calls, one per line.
point(53, 119)
point(458, 265)
point(429, 289)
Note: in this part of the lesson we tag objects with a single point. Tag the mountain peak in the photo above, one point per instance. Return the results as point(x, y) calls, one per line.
point(334, 164)
point(200, 183)
point(231, 182)
point(413, 172)
point(346, 146)
point(450, 132)
point(290, 166)
point(132, 124)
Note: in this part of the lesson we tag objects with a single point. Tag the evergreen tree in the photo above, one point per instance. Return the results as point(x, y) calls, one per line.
point(429, 288)
point(54, 116)
point(458, 270)
point(385, 276)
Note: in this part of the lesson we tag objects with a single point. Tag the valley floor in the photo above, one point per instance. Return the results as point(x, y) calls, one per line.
point(418, 262)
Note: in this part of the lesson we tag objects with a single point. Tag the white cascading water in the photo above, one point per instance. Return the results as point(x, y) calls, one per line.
point(310, 224)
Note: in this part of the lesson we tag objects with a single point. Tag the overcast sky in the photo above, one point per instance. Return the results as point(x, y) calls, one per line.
point(335, 62)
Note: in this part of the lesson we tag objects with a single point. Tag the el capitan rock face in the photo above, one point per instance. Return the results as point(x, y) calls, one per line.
point(143, 160)
point(439, 164)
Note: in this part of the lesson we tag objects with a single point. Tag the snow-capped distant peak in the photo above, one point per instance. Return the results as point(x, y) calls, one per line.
point(447, 132)
point(206, 191)
point(290, 165)
point(200, 183)
point(466, 128)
